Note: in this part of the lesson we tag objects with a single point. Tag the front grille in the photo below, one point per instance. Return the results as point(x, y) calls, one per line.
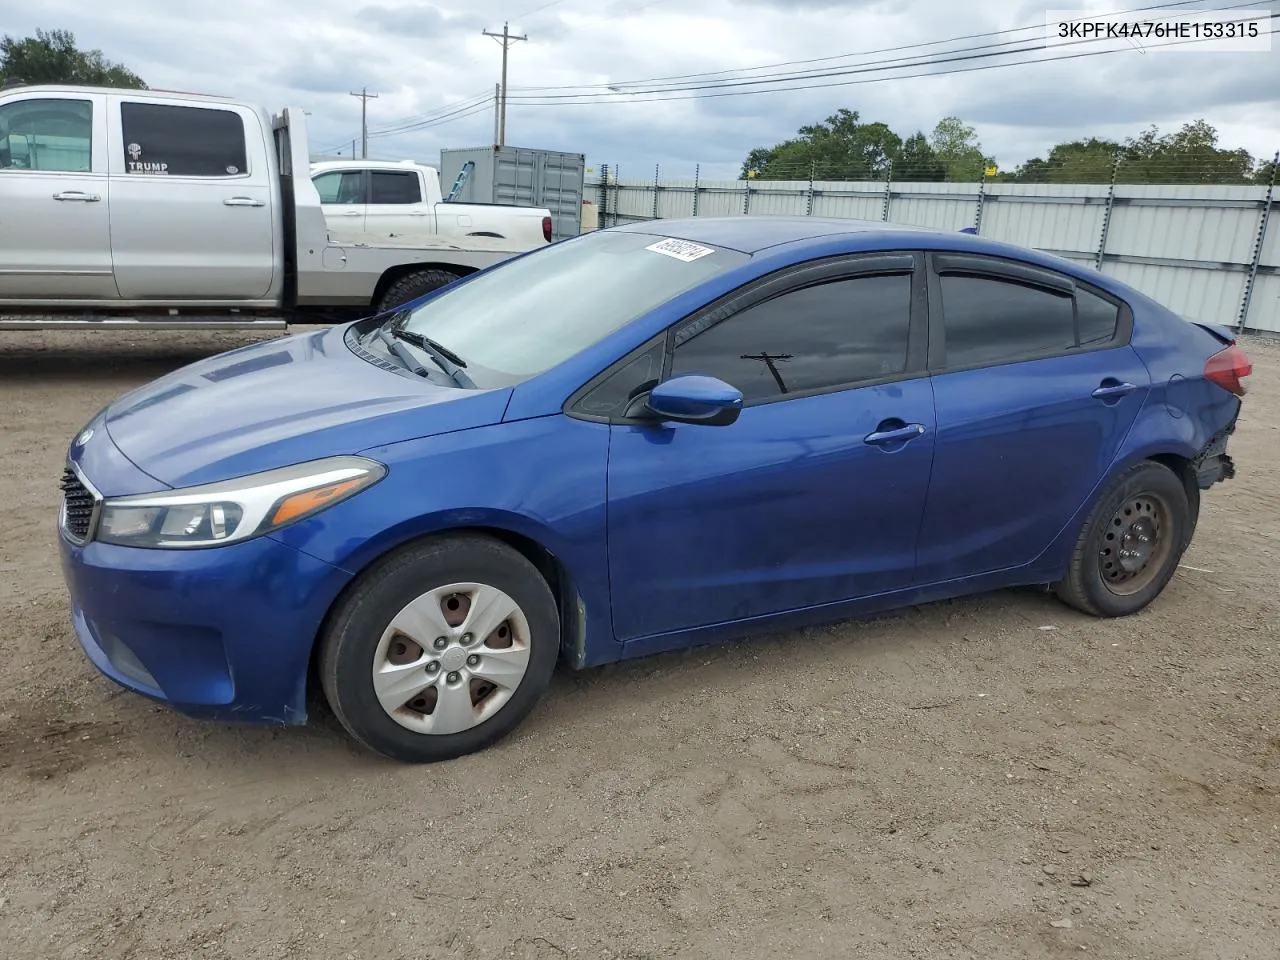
point(77, 505)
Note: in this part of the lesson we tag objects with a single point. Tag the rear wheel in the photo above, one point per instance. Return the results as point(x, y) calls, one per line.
point(1130, 546)
point(440, 650)
point(413, 285)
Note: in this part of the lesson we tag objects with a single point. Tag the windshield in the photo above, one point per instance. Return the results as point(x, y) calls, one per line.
point(531, 313)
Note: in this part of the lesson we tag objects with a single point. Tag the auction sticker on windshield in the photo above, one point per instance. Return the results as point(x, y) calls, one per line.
point(680, 249)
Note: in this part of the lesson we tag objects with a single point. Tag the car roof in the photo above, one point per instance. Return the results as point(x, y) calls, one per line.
point(751, 234)
point(131, 92)
point(755, 234)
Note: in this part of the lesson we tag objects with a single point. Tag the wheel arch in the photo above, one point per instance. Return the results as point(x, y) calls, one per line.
point(570, 603)
point(394, 274)
point(1176, 456)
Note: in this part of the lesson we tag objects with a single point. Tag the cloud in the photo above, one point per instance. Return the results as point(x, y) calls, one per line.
point(433, 70)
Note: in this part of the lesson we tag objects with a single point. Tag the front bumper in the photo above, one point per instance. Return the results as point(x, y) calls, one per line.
point(217, 634)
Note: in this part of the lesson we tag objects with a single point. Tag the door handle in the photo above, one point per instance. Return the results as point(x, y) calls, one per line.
point(243, 202)
point(1113, 390)
point(77, 195)
point(351, 213)
point(895, 434)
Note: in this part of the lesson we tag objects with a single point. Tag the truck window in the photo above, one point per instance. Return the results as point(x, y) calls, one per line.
point(47, 134)
point(340, 186)
point(163, 140)
point(389, 187)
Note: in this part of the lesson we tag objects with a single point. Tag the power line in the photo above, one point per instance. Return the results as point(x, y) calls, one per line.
point(621, 97)
point(410, 123)
point(843, 56)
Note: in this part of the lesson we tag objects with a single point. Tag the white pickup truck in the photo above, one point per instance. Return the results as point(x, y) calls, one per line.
point(402, 204)
point(145, 207)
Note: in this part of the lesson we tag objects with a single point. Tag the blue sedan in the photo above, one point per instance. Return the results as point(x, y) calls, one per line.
point(640, 439)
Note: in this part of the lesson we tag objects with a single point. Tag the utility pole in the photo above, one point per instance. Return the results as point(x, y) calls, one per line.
point(497, 110)
point(506, 38)
point(365, 96)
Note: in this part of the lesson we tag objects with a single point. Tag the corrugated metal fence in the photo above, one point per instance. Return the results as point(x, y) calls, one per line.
point(1202, 250)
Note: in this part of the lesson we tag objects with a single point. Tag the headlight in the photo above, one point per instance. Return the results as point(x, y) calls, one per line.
point(230, 510)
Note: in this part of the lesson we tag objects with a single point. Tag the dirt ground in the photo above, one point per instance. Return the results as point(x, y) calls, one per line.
point(994, 778)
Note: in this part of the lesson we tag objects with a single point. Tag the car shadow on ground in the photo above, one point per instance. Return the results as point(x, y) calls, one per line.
point(590, 701)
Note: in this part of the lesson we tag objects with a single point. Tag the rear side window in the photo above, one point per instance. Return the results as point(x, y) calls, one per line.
point(169, 141)
point(395, 188)
point(995, 321)
point(47, 134)
point(1098, 318)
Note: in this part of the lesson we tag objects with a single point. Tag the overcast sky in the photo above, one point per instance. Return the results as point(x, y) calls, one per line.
point(423, 57)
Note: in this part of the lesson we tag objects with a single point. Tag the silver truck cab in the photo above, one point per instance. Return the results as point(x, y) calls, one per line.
point(123, 206)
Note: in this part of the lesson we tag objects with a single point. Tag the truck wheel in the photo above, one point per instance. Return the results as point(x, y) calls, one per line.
point(441, 649)
point(414, 285)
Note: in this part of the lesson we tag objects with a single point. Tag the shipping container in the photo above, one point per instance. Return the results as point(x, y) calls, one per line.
point(519, 177)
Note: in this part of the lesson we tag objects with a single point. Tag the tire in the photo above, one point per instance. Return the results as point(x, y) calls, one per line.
point(1147, 499)
point(439, 707)
point(413, 285)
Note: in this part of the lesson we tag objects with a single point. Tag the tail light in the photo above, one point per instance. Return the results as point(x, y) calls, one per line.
point(546, 229)
point(1228, 368)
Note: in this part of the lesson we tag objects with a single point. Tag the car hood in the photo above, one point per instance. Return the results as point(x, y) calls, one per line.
point(280, 402)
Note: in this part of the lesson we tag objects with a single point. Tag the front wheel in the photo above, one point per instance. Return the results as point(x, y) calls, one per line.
point(1131, 544)
point(440, 650)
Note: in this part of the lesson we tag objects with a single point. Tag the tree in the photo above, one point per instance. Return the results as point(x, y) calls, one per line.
point(839, 148)
point(52, 57)
point(1079, 161)
point(956, 145)
point(1191, 155)
point(917, 161)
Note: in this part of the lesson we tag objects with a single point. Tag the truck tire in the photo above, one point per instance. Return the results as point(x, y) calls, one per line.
point(413, 285)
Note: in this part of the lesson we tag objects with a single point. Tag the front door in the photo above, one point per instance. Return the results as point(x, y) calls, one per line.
point(1036, 390)
point(194, 206)
point(342, 198)
point(815, 494)
point(55, 231)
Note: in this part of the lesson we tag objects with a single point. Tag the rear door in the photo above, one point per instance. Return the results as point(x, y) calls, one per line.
point(397, 211)
point(191, 201)
point(1036, 389)
point(343, 198)
point(55, 231)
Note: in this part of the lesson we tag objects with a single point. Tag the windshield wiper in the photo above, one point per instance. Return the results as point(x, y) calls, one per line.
point(405, 356)
point(445, 359)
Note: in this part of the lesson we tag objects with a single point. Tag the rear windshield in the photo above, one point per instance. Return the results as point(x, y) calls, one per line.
point(527, 315)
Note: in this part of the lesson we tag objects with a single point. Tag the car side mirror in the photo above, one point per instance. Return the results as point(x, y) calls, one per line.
point(693, 398)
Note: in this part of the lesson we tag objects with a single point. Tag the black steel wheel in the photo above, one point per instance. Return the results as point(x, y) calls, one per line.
point(1130, 545)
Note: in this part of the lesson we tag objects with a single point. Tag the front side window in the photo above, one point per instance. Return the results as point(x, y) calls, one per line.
point(395, 187)
point(532, 312)
point(340, 187)
point(47, 134)
point(992, 320)
point(828, 335)
point(167, 141)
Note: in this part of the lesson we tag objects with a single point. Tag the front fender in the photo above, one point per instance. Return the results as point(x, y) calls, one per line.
point(542, 480)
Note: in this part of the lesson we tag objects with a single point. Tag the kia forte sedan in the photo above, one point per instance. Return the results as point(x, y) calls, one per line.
point(636, 440)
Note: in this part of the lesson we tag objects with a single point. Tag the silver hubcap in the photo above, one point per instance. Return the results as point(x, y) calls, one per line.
point(451, 658)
